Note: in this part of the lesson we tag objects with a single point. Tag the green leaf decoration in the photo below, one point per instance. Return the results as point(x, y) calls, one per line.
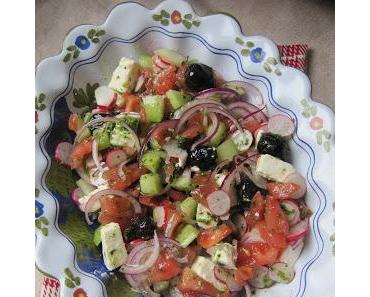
point(71, 48)
point(319, 137)
point(68, 273)
point(238, 40)
point(91, 33)
point(77, 281)
point(67, 57)
point(60, 179)
point(85, 99)
point(37, 192)
point(186, 24)
point(100, 33)
point(42, 107)
point(277, 71)
point(196, 23)
point(250, 44)
point(327, 146)
point(95, 40)
point(38, 224)
point(326, 133)
point(69, 283)
point(41, 97)
point(304, 102)
point(188, 16)
point(271, 60)
point(156, 17)
point(313, 110)
point(44, 231)
point(44, 220)
point(245, 52)
point(332, 237)
point(165, 22)
point(306, 113)
point(267, 67)
point(76, 53)
point(165, 13)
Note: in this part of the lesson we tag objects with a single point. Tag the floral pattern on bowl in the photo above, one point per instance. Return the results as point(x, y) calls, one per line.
point(87, 59)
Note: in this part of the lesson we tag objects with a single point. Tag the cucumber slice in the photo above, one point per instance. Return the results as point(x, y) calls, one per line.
point(170, 55)
point(97, 236)
point(204, 218)
point(154, 107)
point(150, 184)
point(161, 286)
point(226, 150)
point(177, 98)
point(152, 160)
point(189, 207)
point(186, 235)
point(183, 182)
point(102, 136)
point(219, 136)
point(145, 61)
point(85, 187)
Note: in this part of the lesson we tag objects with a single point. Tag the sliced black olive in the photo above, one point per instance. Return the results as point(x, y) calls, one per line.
point(204, 157)
point(272, 144)
point(140, 228)
point(245, 192)
point(199, 77)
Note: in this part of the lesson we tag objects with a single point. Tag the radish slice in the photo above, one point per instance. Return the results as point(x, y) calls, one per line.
point(298, 179)
point(76, 195)
point(282, 125)
point(63, 152)
point(115, 158)
point(240, 223)
point(104, 96)
point(298, 231)
point(219, 203)
point(281, 273)
point(159, 216)
point(291, 211)
point(226, 277)
point(261, 279)
point(291, 254)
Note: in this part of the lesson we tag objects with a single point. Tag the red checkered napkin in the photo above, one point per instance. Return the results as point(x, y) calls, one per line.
point(293, 55)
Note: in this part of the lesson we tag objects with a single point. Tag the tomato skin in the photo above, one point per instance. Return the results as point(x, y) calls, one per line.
point(202, 178)
point(163, 131)
point(74, 122)
point(192, 283)
point(164, 268)
point(132, 174)
point(152, 201)
point(176, 195)
point(80, 151)
point(132, 103)
point(274, 239)
point(194, 126)
point(282, 190)
point(165, 80)
point(209, 237)
point(200, 194)
point(256, 212)
point(252, 125)
point(243, 274)
point(257, 254)
point(275, 218)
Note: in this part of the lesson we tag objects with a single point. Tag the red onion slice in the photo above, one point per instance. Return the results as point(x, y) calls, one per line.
point(63, 152)
point(282, 125)
point(219, 167)
point(82, 173)
point(139, 83)
point(226, 277)
point(212, 132)
point(95, 155)
point(248, 291)
point(224, 94)
point(252, 93)
point(281, 273)
point(120, 167)
point(241, 107)
point(291, 254)
point(252, 236)
point(298, 231)
point(298, 179)
point(261, 279)
point(229, 116)
point(198, 102)
point(138, 253)
point(291, 211)
point(219, 203)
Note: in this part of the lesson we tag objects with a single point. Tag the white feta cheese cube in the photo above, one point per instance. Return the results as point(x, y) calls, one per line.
point(125, 76)
point(242, 140)
point(273, 168)
point(204, 268)
point(114, 251)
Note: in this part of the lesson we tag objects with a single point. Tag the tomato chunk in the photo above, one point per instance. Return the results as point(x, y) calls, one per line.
point(192, 283)
point(164, 268)
point(132, 103)
point(282, 190)
point(275, 218)
point(165, 80)
point(80, 151)
point(256, 212)
point(74, 122)
point(132, 173)
point(274, 239)
point(257, 254)
point(210, 237)
point(243, 274)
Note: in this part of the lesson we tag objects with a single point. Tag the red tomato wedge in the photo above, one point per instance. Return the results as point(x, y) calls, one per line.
point(282, 190)
point(192, 283)
point(194, 126)
point(210, 237)
point(74, 122)
point(243, 274)
point(256, 212)
point(79, 152)
point(164, 268)
point(132, 174)
point(132, 103)
point(163, 131)
point(257, 254)
point(274, 239)
point(176, 195)
point(275, 218)
point(165, 80)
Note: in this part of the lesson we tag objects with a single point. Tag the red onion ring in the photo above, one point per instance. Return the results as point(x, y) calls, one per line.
point(225, 93)
point(81, 172)
point(229, 116)
point(95, 155)
point(212, 132)
point(219, 167)
point(226, 277)
point(120, 167)
point(252, 93)
point(199, 102)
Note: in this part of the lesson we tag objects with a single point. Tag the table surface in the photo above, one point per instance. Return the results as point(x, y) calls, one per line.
point(283, 21)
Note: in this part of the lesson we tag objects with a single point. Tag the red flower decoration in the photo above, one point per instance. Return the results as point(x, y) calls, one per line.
point(316, 123)
point(36, 117)
point(79, 293)
point(176, 17)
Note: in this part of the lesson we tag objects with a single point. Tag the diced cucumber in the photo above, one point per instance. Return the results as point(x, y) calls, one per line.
point(120, 136)
point(177, 98)
point(170, 55)
point(161, 286)
point(150, 183)
point(152, 160)
point(132, 119)
point(219, 136)
point(204, 218)
point(238, 89)
point(145, 61)
point(154, 107)
point(226, 150)
point(186, 235)
point(97, 236)
point(189, 207)
point(85, 187)
point(102, 136)
point(183, 182)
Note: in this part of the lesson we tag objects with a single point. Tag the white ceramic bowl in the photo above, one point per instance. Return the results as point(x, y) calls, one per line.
point(89, 55)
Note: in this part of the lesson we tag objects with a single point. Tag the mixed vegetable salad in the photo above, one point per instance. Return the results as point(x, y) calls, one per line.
point(186, 181)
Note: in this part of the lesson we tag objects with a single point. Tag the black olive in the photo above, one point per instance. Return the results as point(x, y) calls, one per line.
point(272, 144)
point(140, 228)
point(199, 77)
point(245, 192)
point(204, 157)
point(97, 116)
